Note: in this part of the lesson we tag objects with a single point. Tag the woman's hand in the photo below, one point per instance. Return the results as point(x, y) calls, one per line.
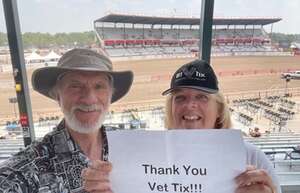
point(254, 181)
point(96, 177)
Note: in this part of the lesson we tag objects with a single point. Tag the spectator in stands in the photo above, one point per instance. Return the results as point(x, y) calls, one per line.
point(195, 102)
point(255, 133)
point(72, 158)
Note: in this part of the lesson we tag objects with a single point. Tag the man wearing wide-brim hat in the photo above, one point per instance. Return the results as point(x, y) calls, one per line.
point(72, 158)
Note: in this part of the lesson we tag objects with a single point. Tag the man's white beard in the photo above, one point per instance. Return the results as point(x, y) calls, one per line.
point(78, 126)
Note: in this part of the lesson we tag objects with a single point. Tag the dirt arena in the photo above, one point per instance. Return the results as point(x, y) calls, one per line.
point(236, 75)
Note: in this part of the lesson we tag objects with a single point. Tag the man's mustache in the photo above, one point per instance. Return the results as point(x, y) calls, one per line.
point(87, 108)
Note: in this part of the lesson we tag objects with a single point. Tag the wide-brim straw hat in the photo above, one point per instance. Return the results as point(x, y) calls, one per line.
point(44, 79)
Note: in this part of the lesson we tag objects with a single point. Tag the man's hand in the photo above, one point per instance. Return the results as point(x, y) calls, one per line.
point(254, 181)
point(96, 177)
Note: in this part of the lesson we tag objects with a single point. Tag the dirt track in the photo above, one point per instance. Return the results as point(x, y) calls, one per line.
point(153, 76)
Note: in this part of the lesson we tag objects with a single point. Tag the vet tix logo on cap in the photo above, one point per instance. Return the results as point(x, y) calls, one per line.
point(197, 74)
point(189, 72)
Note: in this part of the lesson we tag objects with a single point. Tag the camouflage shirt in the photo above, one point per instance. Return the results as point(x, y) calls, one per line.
point(52, 165)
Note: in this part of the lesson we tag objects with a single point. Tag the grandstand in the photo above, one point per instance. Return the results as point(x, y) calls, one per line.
point(138, 36)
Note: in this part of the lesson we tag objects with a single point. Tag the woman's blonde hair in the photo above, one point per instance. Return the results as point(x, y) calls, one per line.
point(223, 121)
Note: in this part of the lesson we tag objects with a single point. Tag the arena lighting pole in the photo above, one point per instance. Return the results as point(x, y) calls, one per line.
point(206, 21)
point(19, 72)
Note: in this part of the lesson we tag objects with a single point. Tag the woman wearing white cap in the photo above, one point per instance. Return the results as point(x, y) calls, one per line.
point(195, 102)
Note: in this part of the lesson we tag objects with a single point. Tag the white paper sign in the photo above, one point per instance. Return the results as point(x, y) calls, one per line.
point(176, 161)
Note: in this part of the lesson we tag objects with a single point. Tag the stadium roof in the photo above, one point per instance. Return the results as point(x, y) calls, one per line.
point(135, 19)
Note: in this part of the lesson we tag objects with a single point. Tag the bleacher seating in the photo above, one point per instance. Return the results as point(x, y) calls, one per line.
point(245, 119)
point(287, 103)
point(123, 42)
point(276, 109)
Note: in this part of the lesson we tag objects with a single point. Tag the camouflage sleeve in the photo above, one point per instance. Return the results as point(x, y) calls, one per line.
point(12, 181)
point(19, 173)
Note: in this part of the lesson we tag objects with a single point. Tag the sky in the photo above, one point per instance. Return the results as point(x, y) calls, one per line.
point(53, 16)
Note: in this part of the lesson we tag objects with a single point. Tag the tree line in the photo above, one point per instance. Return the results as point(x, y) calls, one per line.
point(284, 40)
point(47, 40)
